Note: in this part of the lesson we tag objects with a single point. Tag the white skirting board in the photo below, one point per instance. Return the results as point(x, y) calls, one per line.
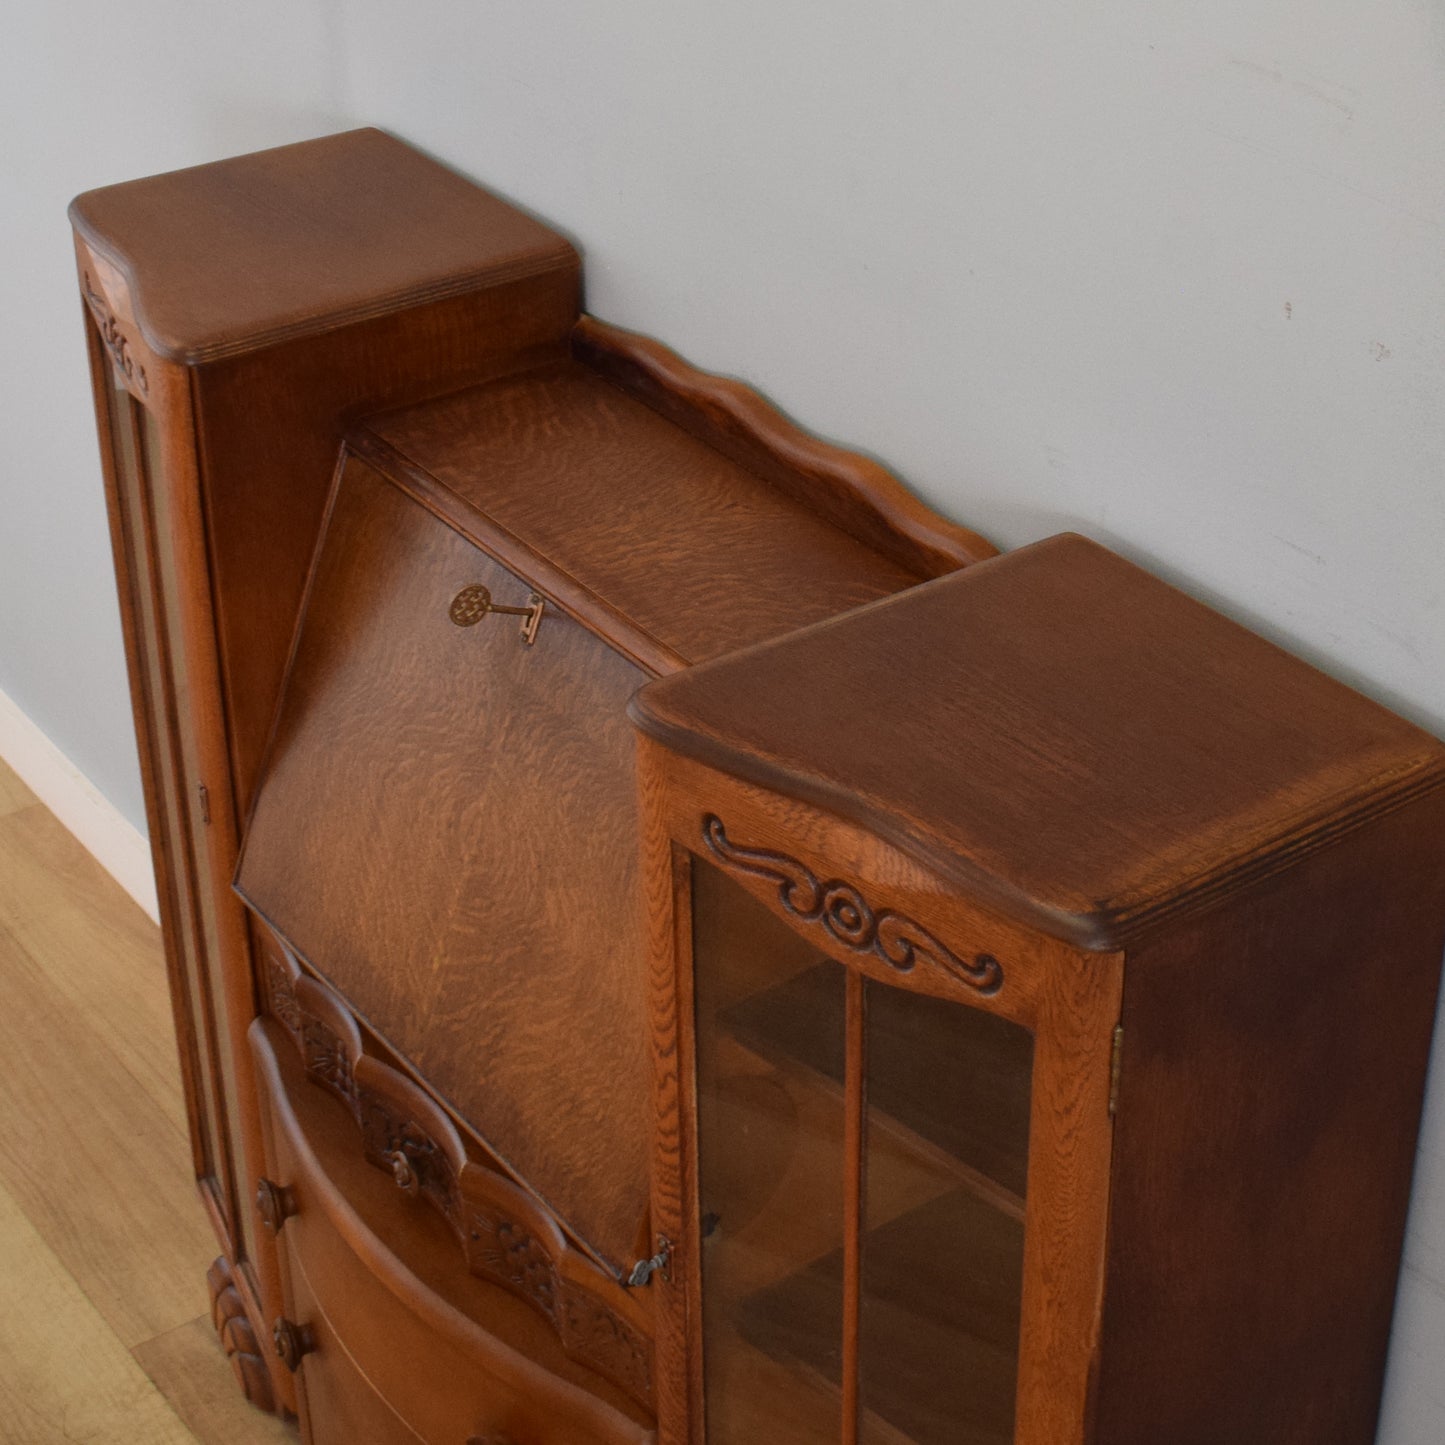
point(117, 845)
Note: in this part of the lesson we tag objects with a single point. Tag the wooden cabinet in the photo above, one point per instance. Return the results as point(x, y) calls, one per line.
point(1044, 970)
point(991, 1006)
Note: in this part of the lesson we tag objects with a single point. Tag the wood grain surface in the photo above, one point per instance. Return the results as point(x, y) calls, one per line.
point(1224, 1110)
point(1272, 1073)
point(846, 488)
point(93, 1159)
point(187, 1366)
point(1063, 734)
point(503, 1234)
point(1068, 1000)
point(671, 536)
point(441, 1347)
point(241, 254)
point(104, 1338)
point(271, 424)
point(255, 308)
point(98, 959)
point(50, 1334)
point(155, 507)
point(444, 778)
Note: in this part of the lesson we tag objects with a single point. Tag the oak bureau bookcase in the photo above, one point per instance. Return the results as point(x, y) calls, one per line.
point(673, 941)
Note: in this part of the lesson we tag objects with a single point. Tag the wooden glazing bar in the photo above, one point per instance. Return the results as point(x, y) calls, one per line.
point(855, 1186)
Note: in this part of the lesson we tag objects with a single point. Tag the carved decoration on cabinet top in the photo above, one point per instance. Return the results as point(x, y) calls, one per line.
point(238, 1339)
point(505, 1235)
point(114, 339)
point(841, 909)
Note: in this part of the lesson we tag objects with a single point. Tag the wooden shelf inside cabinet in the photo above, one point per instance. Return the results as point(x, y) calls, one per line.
point(921, 1074)
point(953, 1325)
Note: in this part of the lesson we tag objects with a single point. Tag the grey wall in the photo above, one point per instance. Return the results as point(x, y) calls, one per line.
point(1170, 274)
point(92, 93)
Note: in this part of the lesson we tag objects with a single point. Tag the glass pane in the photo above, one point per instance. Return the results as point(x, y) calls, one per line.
point(771, 1168)
point(209, 951)
point(942, 1265)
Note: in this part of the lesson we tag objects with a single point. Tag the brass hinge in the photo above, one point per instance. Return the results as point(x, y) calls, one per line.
point(1116, 1060)
point(660, 1264)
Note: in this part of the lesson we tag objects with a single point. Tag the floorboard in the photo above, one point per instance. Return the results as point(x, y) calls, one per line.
point(99, 954)
point(105, 1336)
point(14, 795)
point(183, 1363)
point(67, 1378)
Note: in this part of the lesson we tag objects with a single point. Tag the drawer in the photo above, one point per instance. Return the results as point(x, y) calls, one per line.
point(339, 1406)
point(432, 774)
point(405, 1346)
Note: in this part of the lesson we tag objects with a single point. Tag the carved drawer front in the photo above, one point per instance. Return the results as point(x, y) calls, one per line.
point(439, 763)
point(389, 1341)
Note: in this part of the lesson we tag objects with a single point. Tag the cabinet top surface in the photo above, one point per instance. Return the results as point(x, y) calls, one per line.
point(679, 543)
point(223, 258)
point(1061, 733)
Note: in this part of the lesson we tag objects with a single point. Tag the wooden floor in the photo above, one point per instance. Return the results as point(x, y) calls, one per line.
point(105, 1335)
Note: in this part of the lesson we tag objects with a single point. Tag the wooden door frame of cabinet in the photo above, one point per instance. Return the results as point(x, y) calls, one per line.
point(196, 724)
point(1069, 999)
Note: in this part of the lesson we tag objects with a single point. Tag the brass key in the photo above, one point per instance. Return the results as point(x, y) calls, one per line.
point(473, 603)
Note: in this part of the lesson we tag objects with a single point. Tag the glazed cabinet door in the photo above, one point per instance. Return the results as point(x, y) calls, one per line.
point(179, 802)
point(147, 434)
point(883, 1157)
point(862, 1163)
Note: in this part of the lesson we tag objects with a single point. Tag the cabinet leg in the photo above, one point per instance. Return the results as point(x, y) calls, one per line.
point(238, 1339)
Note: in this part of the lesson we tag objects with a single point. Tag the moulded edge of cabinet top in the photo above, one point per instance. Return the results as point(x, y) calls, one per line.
point(238, 254)
point(1072, 740)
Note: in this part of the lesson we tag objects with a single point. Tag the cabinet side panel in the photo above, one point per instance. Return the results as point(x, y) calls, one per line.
point(143, 406)
point(1271, 1082)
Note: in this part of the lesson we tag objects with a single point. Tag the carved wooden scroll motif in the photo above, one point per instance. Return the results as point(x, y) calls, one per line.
point(841, 909)
point(114, 339)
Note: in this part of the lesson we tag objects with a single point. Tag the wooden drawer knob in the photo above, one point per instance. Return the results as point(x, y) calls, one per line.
point(275, 1204)
point(292, 1342)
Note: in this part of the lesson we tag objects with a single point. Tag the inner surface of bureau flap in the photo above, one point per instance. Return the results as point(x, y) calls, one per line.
point(431, 776)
